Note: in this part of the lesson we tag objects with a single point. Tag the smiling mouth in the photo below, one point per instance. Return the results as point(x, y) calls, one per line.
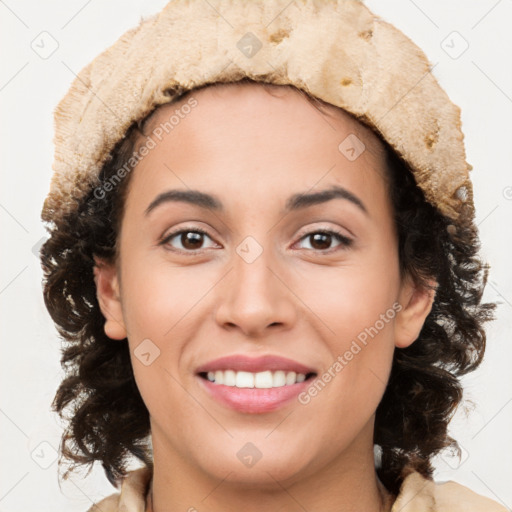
point(260, 380)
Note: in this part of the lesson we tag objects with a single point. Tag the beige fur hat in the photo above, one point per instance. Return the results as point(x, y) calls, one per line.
point(335, 50)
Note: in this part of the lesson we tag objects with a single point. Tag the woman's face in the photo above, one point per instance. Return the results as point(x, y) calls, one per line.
point(263, 280)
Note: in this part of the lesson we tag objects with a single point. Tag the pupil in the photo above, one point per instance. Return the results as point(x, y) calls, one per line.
point(319, 237)
point(190, 239)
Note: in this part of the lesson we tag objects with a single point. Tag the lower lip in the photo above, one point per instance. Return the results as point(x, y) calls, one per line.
point(254, 400)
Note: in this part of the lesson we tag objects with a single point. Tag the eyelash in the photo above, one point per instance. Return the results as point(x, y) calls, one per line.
point(345, 242)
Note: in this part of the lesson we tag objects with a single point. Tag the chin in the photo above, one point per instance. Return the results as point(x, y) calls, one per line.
point(260, 463)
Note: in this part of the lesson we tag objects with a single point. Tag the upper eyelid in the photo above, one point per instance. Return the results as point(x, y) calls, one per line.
point(165, 238)
point(345, 240)
point(337, 231)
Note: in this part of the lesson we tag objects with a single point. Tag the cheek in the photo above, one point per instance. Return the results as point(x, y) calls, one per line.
point(352, 296)
point(357, 307)
point(360, 315)
point(161, 301)
point(159, 295)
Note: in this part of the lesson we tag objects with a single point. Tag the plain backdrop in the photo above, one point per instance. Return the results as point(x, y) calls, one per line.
point(470, 43)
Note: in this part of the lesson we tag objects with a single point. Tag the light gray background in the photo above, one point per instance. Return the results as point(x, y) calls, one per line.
point(478, 79)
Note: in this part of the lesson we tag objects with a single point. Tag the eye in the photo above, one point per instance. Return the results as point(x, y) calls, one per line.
point(190, 239)
point(321, 239)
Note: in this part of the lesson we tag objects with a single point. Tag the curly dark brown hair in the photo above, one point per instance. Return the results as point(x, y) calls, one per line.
point(107, 419)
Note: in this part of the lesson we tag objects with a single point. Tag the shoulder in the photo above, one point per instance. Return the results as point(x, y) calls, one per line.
point(419, 494)
point(108, 504)
point(131, 498)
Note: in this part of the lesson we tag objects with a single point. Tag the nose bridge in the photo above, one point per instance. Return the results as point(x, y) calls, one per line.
point(254, 297)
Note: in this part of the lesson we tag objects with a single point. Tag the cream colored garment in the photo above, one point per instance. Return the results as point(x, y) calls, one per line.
point(416, 495)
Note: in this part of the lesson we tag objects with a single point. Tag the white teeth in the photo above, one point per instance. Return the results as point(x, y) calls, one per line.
point(279, 379)
point(243, 380)
point(263, 380)
point(291, 378)
point(229, 378)
point(260, 380)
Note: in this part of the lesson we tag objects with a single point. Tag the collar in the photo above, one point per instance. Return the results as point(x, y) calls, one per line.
point(417, 494)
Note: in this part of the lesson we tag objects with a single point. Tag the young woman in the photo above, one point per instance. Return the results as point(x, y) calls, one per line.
point(264, 260)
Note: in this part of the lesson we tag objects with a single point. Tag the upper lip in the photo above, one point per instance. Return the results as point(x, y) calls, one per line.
point(240, 362)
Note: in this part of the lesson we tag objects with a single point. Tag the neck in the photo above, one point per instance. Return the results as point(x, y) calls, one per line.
point(346, 484)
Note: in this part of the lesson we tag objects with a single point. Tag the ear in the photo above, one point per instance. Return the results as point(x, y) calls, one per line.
point(416, 304)
point(107, 292)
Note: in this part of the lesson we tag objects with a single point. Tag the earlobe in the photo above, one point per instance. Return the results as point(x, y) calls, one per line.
point(416, 304)
point(108, 295)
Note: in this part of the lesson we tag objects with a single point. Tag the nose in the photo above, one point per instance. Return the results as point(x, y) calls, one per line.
point(256, 296)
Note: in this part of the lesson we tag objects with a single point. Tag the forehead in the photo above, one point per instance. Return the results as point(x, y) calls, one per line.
point(237, 132)
point(247, 95)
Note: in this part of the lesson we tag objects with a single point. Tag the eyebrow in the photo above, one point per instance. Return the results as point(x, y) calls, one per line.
point(299, 201)
point(295, 202)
